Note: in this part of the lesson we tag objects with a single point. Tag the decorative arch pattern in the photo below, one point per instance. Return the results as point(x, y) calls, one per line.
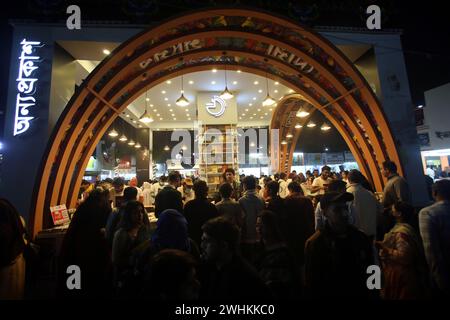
point(245, 40)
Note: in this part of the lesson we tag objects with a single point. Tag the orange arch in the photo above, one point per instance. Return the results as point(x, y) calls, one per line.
point(241, 39)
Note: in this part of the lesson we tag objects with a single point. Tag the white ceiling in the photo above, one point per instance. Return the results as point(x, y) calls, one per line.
point(249, 90)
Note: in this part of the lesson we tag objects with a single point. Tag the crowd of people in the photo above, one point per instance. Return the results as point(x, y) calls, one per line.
point(284, 237)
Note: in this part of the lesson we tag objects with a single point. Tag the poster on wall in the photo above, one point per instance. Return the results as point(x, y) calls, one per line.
point(60, 215)
point(334, 158)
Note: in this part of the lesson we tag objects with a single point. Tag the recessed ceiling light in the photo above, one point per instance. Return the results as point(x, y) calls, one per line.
point(254, 114)
point(175, 119)
point(140, 126)
point(243, 114)
point(127, 116)
point(151, 105)
point(166, 99)
point(276, 91)
point(250, 104)
point(262, 117)
point(186, 110)
point(147, 99)
point(260, 90)
point(173, 115)
point(213, 82)
point(134, 121)
point(259, 110)
point(189, 119)
point(168, 104)
point(188, 115)
point(291, 91)
point(168, 82)
point(235, 82)
point(214, 70)
point(277, 83)
point(251, 118)
point(239, 71)
point(254, 98)
point(256, 83)
point(155, 110)
point(106, 51)
point(270, 109)
point(265, 114)
point(158, 115)
point(161, 120)
point(171, 110)
point(163, 92)
point(246, 109)
point(191, 82)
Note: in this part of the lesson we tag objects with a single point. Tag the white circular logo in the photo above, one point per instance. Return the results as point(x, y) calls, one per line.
point(216, 107)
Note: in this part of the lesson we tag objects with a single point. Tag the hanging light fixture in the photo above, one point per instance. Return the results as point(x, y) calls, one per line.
point(325, 127)
point(268, 101)
point(137, 145)
point(298, 126)
point(113, 133)
point(123, 138)
point(146, 117)
point(302, 113)
point(166, 148)
point(283, 142)
point(131, 143)
point(182, 101)
point(311, 124)
point(289, 135)
point(226, 94)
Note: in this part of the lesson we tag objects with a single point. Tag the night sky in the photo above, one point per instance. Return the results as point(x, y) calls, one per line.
point(426, 31)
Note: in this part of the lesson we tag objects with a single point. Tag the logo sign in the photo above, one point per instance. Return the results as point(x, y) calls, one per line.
point(216, 107)
point(25, 86)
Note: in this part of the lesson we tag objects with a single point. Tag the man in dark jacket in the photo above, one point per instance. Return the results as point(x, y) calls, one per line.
point(337, 255)
point(225, 275)
point(169, 197)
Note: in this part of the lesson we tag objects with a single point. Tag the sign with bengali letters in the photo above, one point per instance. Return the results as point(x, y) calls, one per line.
point(26, 86)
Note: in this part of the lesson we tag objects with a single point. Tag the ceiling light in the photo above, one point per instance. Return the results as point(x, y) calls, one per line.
point(214, 70)
point(291, 91)
point(189, 119)
point(175, 119)
point(276, 91)
point(163, 92)
point(161, 119)
point(239, 71)
point(289, 135)
point(261, 117)
point(250, 104)
point(134, 121)
point(166, 148)
point(151, 105)
point(131, 143)
point(169, 105)
point(252, 144)
point(183, 148)
point(106, 51)
point(302, 113)
point(191, 82)
point(311, 124)
point(147, 99)
point(146, 116)
point(235, 82)
point(254, 98)
point(246, 110)
point(187, 110)
point(113, 133)
point(256, 83)
point(277, 83)
point(166, 99)
point(123, 138)
point(270, 109)
point(171, 110)
point(226, 94)
point(260, 90)
point(325, 127)
point(283, 142)
point(182, 101)
point(213, 82)
point(251, 118)
point(265, 114)
point(173, 114)
point(127, 116)
point(268, 101)
point(158, 115)
point(326, 149)
point(137, 145)
point(243, 114)
point(298, 126)
point(168, 82)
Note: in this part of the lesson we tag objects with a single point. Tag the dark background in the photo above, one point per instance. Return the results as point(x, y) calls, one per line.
point(425, 27)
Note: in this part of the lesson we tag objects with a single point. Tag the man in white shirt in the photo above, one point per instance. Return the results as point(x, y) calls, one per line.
point(157, 186)
point(187, 191)
point(283, 192)
point(320, 184)
point(365, 207)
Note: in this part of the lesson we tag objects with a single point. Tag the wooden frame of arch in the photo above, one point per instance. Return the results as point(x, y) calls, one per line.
point(248, 40)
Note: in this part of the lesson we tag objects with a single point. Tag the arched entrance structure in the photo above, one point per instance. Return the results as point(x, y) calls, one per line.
point(244, 40)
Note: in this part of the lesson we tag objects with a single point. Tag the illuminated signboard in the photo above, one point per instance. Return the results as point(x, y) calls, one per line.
point(25, 86)
point(216, 107)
